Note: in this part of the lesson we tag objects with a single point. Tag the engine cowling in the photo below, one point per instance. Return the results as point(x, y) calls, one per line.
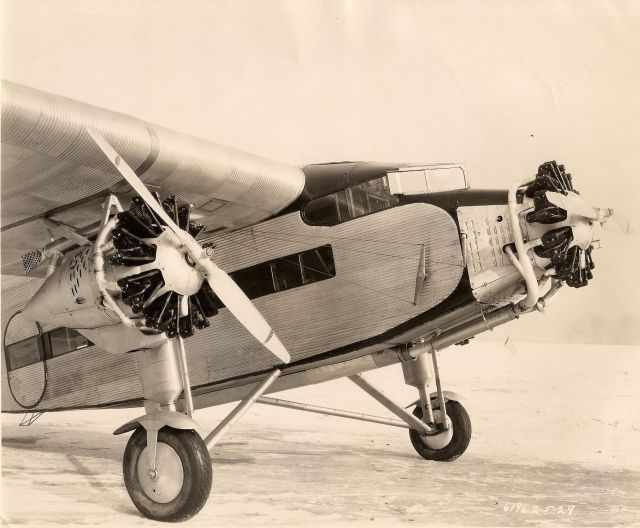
point(70, 296)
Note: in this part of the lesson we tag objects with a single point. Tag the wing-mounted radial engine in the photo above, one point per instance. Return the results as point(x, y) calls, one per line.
point(157, 278)
point(144, 280)
point(153, 280)
point(147, 271)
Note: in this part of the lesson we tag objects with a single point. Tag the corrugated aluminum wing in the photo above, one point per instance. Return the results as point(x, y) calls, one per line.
point(50, 164)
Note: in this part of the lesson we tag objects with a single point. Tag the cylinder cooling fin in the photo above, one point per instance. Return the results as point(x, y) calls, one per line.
point(166, 288)
point(572, 261)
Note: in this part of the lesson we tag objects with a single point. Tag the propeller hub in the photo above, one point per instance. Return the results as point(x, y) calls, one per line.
point(582, 229)
point(189, 260)
point(563, 222)
point(178, 268)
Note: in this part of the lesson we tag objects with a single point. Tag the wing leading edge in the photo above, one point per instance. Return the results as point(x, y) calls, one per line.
point(51, 168)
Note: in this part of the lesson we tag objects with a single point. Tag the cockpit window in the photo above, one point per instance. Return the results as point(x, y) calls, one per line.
point(359, 200)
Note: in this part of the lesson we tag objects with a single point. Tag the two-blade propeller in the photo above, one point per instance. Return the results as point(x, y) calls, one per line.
point(222, 285)
point(574, 204)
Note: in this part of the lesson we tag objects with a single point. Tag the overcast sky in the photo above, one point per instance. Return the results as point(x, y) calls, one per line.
point(501, 86)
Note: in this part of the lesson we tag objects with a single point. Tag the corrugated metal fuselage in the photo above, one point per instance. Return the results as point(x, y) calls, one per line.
point(330, 322)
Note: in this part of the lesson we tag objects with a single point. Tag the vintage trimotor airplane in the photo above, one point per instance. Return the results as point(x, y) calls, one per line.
point(121, 240)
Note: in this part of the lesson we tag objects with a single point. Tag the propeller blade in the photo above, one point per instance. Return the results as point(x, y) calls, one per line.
point(244, 310)
point(572, 203)
point(133, 179)
point(619, 224)
point(222, 285)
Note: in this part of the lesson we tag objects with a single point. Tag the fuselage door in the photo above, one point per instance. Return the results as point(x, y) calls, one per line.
point(25, 361)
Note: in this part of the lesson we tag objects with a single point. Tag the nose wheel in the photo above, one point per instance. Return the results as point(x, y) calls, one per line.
point(178, 486)
point(447, 444)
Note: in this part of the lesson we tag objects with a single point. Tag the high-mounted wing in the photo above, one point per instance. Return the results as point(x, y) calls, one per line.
point(52, 168)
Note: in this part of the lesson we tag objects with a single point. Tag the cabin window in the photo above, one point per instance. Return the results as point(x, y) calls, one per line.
point(285, 273)
point(317, 264)
point(21, 342)
point(355, 201)
point(64, 340)
point(34, 349)
point(303, 268)
point(23, 353)
point(255, 281)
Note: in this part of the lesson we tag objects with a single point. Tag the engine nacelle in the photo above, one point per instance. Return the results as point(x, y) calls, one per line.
point(70, 296)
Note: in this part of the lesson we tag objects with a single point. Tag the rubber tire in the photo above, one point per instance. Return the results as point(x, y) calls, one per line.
point(459, 442)
point(198, 474)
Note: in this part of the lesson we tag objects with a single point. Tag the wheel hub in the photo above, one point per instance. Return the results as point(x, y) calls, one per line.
point(439, 440)
point(164, 482)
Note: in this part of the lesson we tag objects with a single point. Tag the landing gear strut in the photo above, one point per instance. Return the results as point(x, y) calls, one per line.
point(448, 419)
point(167, 464)
point(439, 427)
point(167, 467)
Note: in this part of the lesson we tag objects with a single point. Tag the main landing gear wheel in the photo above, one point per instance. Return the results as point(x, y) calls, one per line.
point(448, 444)
point(181, 483)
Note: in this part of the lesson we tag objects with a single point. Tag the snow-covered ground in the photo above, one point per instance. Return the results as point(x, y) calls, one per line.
point(555, 442)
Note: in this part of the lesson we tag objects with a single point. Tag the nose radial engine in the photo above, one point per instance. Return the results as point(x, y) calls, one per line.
point(567, 247)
